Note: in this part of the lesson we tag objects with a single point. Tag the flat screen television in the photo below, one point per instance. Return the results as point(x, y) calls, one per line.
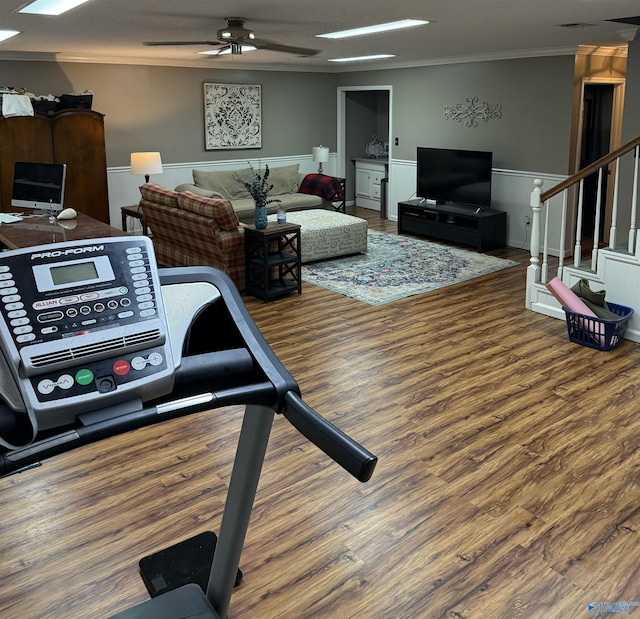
point(459, 176)
point(39, 186)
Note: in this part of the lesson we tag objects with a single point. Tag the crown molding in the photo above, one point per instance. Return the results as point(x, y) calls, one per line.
point(352, 68)
point(619, 51)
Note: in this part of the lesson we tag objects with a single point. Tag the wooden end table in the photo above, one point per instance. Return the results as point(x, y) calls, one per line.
point(135, 212)
point(341, 206)
point(272, 260)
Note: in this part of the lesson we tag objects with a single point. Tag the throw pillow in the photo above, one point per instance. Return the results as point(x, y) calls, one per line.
point(220, 211)
point(223, 182)
point(283, 179)
point(205, 193)
point(159, 194)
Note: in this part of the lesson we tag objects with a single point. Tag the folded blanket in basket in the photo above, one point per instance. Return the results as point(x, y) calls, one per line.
point(595, 300)
point(571, 301)
point(326, 187)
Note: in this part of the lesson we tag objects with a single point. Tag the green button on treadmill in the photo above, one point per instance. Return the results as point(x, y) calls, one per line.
point(84, 377)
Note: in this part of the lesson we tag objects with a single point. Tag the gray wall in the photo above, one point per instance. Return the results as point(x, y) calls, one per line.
point(535, 95)
point(161, 108)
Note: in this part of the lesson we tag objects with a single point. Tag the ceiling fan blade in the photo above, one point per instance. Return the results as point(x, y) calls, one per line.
point(288, 49)
point(181, 43)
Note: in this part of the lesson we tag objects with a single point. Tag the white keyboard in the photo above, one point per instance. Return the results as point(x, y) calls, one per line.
point(9, 218)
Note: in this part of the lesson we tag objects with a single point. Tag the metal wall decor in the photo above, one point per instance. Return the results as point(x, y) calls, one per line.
point(472, 111)
point(232, 116)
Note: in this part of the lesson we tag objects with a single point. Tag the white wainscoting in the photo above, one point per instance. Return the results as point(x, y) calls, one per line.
point(124, 187)
point(402, 185)
point(511, 191)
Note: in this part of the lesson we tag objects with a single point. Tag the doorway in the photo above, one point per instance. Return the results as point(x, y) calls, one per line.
point(357, 124)
point(600, 133)
point(597, 110)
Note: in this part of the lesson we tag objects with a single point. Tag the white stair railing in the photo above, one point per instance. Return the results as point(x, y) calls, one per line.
point(538, 272)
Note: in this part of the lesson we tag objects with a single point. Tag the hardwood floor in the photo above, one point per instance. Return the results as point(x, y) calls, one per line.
point(507, 483)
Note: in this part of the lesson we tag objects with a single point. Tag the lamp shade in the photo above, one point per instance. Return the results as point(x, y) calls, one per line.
point(146, 163)
point(321, 154)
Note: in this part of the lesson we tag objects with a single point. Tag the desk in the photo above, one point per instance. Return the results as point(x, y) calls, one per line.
point(39, 231)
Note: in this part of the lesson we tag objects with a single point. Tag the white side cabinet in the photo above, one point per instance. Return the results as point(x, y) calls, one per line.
point(369, 175)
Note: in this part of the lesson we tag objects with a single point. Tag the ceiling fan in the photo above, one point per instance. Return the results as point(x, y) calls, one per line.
point(232, 39)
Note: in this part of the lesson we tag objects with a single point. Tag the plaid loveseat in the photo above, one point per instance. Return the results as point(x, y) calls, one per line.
point(190, 230)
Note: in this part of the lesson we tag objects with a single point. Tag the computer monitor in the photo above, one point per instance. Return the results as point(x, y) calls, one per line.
point(39, 186)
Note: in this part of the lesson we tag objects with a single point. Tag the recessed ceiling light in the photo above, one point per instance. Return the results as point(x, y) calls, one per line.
point(51, 7)
point(215, 52)
point(358, 58)
point(356, 32)
point(7, 34)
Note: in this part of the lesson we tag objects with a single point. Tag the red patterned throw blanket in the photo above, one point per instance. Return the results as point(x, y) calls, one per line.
point(326, 187)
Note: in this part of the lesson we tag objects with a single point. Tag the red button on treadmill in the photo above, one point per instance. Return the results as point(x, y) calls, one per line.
point(121, 367)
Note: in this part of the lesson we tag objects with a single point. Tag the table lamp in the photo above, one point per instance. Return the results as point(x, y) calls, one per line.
point(320, 155)
point(146, 163)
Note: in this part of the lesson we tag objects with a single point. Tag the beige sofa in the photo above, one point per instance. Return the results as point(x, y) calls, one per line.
point(286, 181)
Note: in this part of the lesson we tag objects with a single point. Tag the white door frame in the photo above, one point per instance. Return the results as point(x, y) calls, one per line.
point(342, 120)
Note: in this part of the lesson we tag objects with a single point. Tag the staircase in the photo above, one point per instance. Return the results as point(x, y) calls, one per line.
point(610, 261)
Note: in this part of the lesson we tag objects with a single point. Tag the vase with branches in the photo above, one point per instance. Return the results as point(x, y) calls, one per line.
point(259, 187)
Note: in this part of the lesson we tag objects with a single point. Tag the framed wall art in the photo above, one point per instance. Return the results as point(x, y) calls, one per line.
point(232, 116)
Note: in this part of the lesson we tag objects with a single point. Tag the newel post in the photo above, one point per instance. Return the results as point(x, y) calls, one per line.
point(533, 270)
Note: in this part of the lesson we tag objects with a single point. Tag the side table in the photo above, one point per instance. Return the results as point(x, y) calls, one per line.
point(135, 212)
point(272, 260)
point(341, 205)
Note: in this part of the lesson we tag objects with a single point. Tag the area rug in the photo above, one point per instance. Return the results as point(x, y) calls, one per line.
point(396, 267)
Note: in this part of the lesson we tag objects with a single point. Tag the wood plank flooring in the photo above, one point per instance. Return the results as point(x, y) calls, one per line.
point(507, 483)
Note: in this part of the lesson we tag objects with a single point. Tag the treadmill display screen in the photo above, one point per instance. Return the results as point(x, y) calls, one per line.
point(73, 273)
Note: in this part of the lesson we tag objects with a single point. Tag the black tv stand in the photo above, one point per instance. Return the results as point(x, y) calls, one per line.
point(480, 227)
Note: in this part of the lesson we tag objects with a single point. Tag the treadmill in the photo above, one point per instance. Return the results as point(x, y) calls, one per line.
point(96, 340)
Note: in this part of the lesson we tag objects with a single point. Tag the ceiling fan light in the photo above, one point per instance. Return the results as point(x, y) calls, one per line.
point(215, 52)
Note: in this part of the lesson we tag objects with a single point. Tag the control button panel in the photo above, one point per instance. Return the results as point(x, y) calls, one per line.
point(82, 326)
point(99, 377)
point(94, 292)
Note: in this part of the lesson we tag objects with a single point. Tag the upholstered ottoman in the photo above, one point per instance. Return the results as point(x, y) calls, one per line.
point(327, 234)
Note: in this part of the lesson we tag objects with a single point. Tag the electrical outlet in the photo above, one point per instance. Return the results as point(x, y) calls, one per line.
point(527, 220)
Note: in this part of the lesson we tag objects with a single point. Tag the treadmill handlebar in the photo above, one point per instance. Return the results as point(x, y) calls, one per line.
point(199, 369)
point(350, 455)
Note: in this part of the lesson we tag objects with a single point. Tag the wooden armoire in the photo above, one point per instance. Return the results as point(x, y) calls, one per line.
point(74, 137)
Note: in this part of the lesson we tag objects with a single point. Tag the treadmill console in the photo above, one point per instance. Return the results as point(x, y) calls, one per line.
point(83, 326)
